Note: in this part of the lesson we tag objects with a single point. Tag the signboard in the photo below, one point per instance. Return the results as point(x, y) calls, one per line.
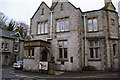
point(43, 65)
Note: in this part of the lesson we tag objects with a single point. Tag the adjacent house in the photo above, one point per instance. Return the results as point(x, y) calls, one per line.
point(11, 47)
point(72, 38)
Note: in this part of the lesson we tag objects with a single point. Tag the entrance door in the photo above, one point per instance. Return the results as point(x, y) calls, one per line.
point(44, 56)
point(6, 60)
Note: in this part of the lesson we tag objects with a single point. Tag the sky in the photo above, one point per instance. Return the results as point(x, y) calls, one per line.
point(23, 10)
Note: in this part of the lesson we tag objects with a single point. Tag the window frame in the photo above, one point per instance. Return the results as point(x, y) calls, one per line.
point(112, 21)
point(41, 26)
point(29, 52)
point(16, 47)
point(59, 21)
point(93, 27)
point(94, 49)
point(63, 47)
point(6, 46)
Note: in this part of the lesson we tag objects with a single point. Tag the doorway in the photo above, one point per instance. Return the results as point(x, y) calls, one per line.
point(44, 56)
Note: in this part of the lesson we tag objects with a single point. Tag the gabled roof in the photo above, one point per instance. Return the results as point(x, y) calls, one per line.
point(55, 3)
point(39, 8)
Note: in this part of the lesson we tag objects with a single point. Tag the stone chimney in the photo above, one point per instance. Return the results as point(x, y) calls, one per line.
point(107, 1)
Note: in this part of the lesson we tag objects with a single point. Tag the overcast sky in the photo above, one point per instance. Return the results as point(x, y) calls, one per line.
point(22, 10)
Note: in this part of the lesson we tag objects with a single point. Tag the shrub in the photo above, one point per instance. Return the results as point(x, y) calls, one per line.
point(88, 68)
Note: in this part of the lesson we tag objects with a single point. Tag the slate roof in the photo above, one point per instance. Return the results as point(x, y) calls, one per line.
point(6, 34)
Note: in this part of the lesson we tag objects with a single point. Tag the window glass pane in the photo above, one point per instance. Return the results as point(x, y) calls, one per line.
point(95, 24)
point(60, 52)
point(46, 27)
point(89, 24)
point(96, 43)
point(96, 52)
point(57, 26)
point(2, 45)
point(32, 52)
point(91, 53)
point(42, 28)
point(6, 46)
point(28, 52)
point(62, 25)
point(16, 47)
point(39, 28)
point(66, 25)
point(65, 44)
point(91, 44)
point(65, 52)
point(114, 49)
point(60, 44)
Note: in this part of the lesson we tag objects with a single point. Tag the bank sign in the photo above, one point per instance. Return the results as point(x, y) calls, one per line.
point(43, 65)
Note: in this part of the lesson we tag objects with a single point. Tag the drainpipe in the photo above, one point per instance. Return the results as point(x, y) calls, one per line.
point(85, 45)
point(51, 23)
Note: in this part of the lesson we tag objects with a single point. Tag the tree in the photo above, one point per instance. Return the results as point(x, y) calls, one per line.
point(22, 28)
point(3, 20)
point(11, 25)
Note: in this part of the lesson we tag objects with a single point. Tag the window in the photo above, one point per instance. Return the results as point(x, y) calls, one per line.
point(63, 53)
point(16, 47)
point(42, 12)
point(71, 59)
point(62, 25)
point(94, 49)
point(6, 46)
point(42, 27)
point(114, 49)
point(39, 28)
point(46, 27)
point(113, 22)
point(2, 46)
point(92, 24)
point(61, 7)
point(30, 52)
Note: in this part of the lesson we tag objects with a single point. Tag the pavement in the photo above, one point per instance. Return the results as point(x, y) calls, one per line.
point(10, 73)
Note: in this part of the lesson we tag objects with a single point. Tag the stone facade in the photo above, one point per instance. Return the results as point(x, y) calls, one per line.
point(86, 45)
point(10, 53)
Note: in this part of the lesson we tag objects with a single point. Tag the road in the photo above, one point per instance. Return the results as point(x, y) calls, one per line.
point(11, 74)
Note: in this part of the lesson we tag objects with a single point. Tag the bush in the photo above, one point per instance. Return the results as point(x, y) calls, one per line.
point(88, 68)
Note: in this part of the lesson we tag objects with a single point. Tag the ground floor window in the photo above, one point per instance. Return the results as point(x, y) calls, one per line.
point(94, 49)
point(29, 52)
point(63, 47)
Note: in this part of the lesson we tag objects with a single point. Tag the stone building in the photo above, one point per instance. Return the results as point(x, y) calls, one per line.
point(11, 48)
point(73, 38)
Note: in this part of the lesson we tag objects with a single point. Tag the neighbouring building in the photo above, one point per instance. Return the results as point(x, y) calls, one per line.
point(11, 47)
point(72, 38)
point(119, 10)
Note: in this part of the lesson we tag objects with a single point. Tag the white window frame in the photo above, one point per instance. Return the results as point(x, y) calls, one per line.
point(94, 47)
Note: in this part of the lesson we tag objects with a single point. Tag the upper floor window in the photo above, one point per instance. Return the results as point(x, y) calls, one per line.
point(92, 24)
point(94, 49)
point(42, 12)
point(42, 27)
point(112, 22)
point(62, 25)
point(61, 9)
point(63, 46)
point(5, 46)
point(16, 47)
point(2, 46)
